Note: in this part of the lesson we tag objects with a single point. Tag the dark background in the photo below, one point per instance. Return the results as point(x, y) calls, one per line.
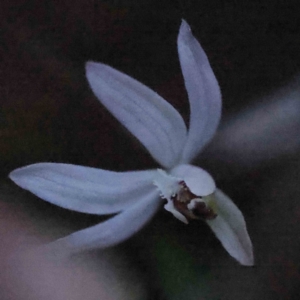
point(48, 113)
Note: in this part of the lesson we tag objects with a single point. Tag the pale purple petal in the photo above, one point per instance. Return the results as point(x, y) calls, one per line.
point(84, 189)
point(230, 228)
point(152, 120)
point(266, 130)
point(198, 180)
point(114, 230)
point(203, 93)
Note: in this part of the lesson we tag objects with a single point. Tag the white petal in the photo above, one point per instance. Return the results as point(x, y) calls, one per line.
point(203, 92)
point(84, 189)
point(156, 123)
point(230, 228)
point(266, 130)
point(198, 180)
point(114, 230)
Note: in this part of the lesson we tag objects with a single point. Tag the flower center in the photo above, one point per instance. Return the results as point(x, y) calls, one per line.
point(193, 206)
point(181, 202)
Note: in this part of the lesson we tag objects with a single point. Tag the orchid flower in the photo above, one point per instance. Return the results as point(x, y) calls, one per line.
point(189, 192)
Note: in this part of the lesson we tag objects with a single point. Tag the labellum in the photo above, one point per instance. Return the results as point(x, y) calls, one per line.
point(192, 206)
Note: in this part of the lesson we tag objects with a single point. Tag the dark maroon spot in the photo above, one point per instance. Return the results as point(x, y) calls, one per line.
point(183, 198)
point(203, 211)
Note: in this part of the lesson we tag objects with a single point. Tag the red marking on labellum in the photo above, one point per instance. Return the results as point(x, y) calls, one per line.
point(200, 210)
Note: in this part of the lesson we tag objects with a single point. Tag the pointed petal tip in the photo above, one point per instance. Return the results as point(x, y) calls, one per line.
point(96, 68)
point(240, 249)
point(184, 30)
point(88, 64)
point(230, 228)
point(91, 66)
point(11, 176)
point(247, 260)
point(184, 25)
point(15, 175)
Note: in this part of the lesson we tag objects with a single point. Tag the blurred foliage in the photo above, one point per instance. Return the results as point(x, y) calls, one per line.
point(180, 275)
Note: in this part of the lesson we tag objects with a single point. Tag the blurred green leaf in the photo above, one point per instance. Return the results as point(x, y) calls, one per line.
point(180, 276)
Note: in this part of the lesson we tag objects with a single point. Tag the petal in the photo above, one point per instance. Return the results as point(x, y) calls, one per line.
point(84, 189)
point(198, 180)
point(152, 120)
point(203, 92)
point(266, 130)
point(230, 228)
point(114, 230)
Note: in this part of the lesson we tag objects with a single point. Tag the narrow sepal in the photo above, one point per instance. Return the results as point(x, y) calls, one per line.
point(230, 228)
point(113, 231)
point(152, 120)
point(203, 93)
point(84, 189)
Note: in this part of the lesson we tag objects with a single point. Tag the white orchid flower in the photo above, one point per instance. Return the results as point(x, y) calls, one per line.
point(189, 191)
